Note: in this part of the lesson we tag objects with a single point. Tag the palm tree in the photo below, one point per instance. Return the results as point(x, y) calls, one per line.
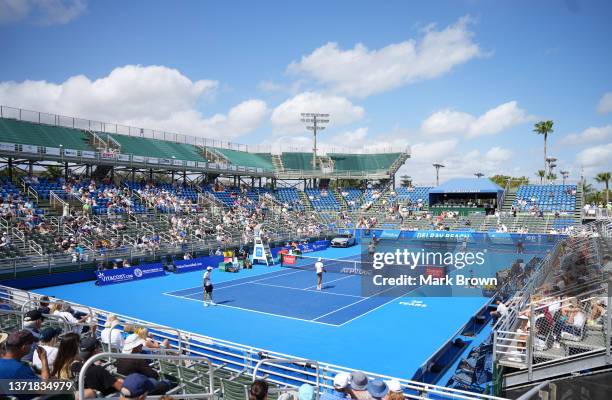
point(544, 128)
point(541, 174)
point(604, 177)
point(551, 177)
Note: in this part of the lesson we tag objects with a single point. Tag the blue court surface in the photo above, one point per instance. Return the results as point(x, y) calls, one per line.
point(279, 309)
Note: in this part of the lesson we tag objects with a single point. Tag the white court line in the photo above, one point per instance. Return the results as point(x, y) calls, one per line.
point(256, 311)
point(274, 273)
point(357, 302)
point(230, 286)
point(310, 290)
point(334, 280)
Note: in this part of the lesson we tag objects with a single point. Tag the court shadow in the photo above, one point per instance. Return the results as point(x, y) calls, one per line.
point(225, 301)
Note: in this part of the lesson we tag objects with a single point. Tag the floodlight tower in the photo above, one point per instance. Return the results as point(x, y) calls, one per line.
point(315, 122)
point(551, 165)
point(437, 166)
point(479, 175)
point(564, 174)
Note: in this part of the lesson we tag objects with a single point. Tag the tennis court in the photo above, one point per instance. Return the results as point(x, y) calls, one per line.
point(278, 309)
point(336, 304)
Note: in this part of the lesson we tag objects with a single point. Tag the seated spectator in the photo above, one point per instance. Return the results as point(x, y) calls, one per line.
point(17, 345)
point(359, 386)
point(48, 341)
point(125, 366)
point(67, 354)
point(341, 387)
point(96, 376)
point(44, 305)
point(112, 335)
point(378, 389)
point(63, 310)
point(136, 387)
point(258, 390)
point(32, 322)
point(150, 343)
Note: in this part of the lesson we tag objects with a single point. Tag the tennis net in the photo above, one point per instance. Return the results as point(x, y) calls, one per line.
point(341, 266)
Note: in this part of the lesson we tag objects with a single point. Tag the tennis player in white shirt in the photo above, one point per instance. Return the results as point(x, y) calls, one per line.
point(208, 287)
point(319, 268)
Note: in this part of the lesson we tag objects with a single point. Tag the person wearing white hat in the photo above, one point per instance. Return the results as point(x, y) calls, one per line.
point(111, 334)
point(208, 287)
point(319, 268)
point(342, 382)
point(394, 386)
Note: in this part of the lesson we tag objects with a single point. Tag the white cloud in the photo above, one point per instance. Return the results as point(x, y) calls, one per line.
point(593, 134)
point(598, 156)
point(457, 161)
point(362, 72)
point(498, 154)
point(41, 12)
point(286, 116)
point(491, 122)
point(155, 97)
point(605, 104)
point(447, 121)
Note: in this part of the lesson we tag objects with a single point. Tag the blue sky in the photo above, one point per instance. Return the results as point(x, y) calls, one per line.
point(461, 82)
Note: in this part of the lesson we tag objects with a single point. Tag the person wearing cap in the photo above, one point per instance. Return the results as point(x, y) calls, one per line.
point(378, 389)
point(394, 386)
point(48, 341)
point(44, 305)
point(208, 287)
point(18, 344)
point(125, 366)
point(96, 376)
point(136, 387)
point(359, 386)
point(341, 390)
point(32, 321)
point(111, 334)
point(319, 268)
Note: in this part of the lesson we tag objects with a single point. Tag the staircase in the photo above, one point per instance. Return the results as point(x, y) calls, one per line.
point(340, 198)
point(277, 163)
point(509, 198)
point(579, 203)
point(305, 200)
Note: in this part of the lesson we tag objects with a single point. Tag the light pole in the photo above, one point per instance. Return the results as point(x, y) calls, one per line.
point(479, 175)
point(551, 165)
point(437, 166)
point(564, 174)
point(314, 122)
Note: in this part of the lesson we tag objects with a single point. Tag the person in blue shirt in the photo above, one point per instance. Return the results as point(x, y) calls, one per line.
point(18, 344)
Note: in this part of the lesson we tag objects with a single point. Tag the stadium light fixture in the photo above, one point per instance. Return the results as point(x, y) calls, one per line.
point(315, 123)
point(564, 175)
point(479, 175)
point(437, 166)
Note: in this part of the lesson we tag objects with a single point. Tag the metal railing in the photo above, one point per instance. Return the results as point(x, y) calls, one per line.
point(244, 359)
point(179, 358)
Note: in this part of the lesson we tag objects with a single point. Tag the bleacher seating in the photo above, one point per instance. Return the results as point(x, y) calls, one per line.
point(242, 158)
point(297, 161)
point(291, 197)
point(352, 196)
point(13, 131)
point(323, 199)
point(158, 148)
point(417, 194)
point(44, 187)
point(547, 198)
point(363, 162)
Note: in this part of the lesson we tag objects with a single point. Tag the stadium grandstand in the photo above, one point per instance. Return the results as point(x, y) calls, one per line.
point(107, 229)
